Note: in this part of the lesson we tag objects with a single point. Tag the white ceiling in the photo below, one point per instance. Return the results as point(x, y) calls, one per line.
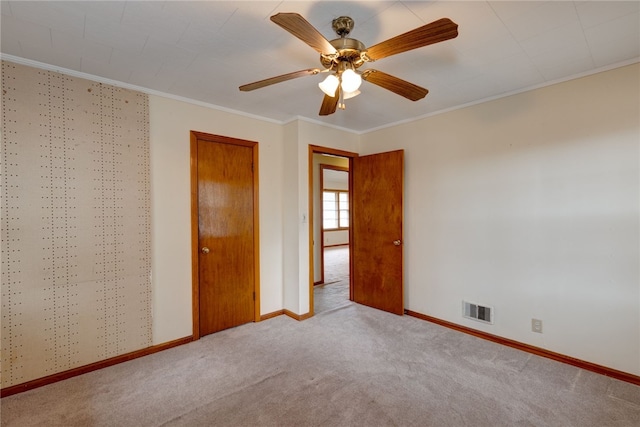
point(204, 50)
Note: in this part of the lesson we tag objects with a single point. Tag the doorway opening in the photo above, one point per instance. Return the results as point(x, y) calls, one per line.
point(375, 228)
point(332, 290)
point(330, 228)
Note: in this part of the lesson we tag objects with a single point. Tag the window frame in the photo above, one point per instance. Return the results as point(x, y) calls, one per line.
point(337, 209)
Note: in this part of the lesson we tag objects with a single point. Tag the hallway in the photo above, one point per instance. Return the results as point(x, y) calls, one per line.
point(334, 292)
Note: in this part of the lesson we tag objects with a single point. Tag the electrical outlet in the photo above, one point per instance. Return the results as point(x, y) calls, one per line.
point(536, 325)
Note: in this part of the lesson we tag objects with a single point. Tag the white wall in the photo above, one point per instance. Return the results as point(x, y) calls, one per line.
point(170, 125)
point(336, 238)
point(530, 204)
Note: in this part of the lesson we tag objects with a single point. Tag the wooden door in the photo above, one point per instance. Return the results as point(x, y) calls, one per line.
point(377, 214)
point(226, 247)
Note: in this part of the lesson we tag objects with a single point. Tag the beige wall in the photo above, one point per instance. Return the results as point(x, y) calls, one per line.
point(170, 125)
point(294, 216)
point(530, 204)
point(299, 135)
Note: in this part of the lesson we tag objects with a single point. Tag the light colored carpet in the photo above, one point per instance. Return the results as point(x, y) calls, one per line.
point(336, 264)
point(351, 366)
point(334, 292)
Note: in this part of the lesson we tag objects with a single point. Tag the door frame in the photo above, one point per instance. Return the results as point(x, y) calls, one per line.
point(195, 249)
point(316, 149)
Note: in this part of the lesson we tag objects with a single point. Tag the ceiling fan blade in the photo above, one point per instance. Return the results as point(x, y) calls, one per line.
point(278, 79)
point(329, 104)
point(395, 85)
point(435, 32)
point(302, 29)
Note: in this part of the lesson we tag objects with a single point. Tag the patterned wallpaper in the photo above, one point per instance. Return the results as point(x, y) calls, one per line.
point(76, 224)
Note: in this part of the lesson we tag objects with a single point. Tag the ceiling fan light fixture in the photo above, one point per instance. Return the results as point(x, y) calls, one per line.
point(341, 57)
point(329, 85)
point(351, 81)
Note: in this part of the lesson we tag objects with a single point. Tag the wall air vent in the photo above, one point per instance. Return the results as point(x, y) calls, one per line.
point(477, 312)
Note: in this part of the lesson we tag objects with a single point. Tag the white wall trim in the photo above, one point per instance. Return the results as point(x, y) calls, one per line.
point(80, 74)
point(123, 85)
point(511, 93)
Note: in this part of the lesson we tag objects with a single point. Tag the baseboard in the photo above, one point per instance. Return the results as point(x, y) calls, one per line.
point(287, 313)
point(297, 316)
point(271, 315)
point(336, 246)
point(587, 366)
point(39, 382)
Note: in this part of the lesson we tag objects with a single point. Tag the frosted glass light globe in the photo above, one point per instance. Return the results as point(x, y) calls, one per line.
point(329, 85)
point(351, 81)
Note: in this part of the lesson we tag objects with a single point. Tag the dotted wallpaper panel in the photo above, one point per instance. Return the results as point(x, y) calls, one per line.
point(76, 226)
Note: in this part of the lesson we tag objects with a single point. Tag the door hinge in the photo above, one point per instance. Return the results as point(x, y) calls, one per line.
point(254, 296)
point(251, 167)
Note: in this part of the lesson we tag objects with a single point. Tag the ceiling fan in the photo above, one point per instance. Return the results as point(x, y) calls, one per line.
point(343, 56)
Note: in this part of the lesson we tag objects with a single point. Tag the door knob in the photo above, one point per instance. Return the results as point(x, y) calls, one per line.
point(397, 242)
point(204, 250)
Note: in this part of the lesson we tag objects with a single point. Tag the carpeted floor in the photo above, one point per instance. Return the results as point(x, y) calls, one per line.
point(334, 292)
point(351, 366)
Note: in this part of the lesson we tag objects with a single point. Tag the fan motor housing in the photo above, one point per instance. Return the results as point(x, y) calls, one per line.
point(348, 50)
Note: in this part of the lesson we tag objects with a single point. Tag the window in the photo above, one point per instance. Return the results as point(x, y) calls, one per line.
point(335, 209)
